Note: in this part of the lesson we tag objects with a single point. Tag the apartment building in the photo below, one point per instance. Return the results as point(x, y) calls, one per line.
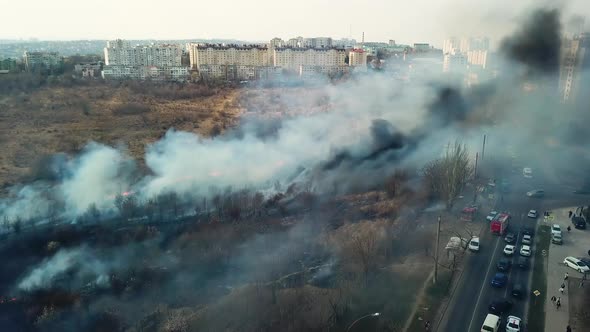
point(357, 58)
point(122, 60)
point(478, 58)
point(454, 63)
point(574, 67)
point(42, 61)
point(291, 59)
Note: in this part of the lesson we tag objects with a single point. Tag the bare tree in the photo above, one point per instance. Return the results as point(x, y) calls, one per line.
point(448, 175)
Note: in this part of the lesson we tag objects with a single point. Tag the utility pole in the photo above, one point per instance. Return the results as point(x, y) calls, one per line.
point(436, 253)
point(483, 150)
point(475, 170)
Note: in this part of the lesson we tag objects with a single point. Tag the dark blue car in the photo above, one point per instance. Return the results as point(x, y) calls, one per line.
point(499, 280)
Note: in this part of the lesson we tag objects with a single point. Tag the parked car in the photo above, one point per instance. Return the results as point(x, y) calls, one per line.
point(510, 238)
point(499, 280)
point(513, 324)
point(532, 214)
point(526, 239)
point(555, 229)
point(509, 250)
point(579, 222)
point(517, 291)
point(576, 264)
point(528, 231)
point(474, 244)
point(525, 250)
point(499, 307)
point(527, 172)
point(504, 264)
point(537, 193)
point(522, 262)
point(491, 323)
point(556, 239)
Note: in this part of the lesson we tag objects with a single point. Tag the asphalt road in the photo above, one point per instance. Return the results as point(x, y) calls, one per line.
point(469, 305)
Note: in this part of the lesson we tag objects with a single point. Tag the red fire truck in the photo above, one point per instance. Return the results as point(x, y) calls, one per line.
point(499, 224)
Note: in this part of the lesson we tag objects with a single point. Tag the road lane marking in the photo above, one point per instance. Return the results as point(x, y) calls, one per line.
point(484, 284)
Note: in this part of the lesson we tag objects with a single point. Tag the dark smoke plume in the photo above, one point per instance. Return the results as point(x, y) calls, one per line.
point(537, 44)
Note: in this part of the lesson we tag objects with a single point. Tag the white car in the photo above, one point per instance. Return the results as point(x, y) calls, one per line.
point(555, 229)
point(526, 239)
point(509, 250)
point(576, 264)
point(513, 324)
point(532, 214)
point(474, 244)
point(527, 172)
point(525, 251)
point(492, 215)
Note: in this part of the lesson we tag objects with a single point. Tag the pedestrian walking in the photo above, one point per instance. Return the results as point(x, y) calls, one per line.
point(581, 283)
point(553, 299)
point(558, 303)
point(427, 325)
point(566, 276)
point(569, 229)
point(561, 290)
point(570, 214)
point(568, 329)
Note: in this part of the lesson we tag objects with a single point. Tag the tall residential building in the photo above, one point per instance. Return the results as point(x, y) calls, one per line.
point(450, 45)
point(454, 63)
point(154, 62)
point(574, 67)
point(477, 58)
point(42, 61)
point(357, 58)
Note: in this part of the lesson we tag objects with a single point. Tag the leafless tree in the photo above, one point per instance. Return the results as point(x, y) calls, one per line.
point(448, 175)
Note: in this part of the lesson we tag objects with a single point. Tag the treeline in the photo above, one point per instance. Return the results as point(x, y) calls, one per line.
point(170, 91)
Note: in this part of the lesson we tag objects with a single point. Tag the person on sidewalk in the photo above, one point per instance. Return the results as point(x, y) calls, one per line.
point(566, 276)
point(570, 214)
point(569, 229)
point(561, 290)
point(568, 329)
point(558, 303)
point(553, 299)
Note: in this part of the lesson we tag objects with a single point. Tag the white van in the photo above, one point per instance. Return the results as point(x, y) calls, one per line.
point(491, 324)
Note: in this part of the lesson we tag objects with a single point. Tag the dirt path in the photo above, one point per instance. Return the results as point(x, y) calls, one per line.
point(419, 297)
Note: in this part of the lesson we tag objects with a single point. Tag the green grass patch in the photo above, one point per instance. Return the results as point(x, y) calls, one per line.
point(539, 282)
point(433, 297)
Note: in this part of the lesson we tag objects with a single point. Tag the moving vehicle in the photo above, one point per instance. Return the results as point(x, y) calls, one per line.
point(499, 307)
point(522, 262)
point(532, 214)
point(556, 239)
point(536, 193)
point(555, 229)
point(527, 172)
point(510, 238)
point(576, 264)
point(468, 213)
point(504, 264)
point(525, 251)
point(492, 215)
point(517, 291)
point(499, 224)
point(499, 280)
point(526, 239)
point(579, 222)
point(528, 231)
point(474, 244)
point(491, 323)
point(509, 250)
point(513, 324)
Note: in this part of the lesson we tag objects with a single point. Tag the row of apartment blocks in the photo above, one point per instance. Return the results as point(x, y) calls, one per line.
point(246, 62)
point(230, 62)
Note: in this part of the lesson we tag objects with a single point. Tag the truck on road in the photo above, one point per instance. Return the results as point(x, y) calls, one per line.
point(499, 224)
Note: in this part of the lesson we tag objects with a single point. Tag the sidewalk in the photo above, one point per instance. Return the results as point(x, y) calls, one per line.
point(557, 320)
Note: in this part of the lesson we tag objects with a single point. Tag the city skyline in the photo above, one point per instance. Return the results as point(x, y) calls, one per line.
point(420, 21)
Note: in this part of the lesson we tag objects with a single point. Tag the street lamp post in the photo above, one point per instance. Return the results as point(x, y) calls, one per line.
point(375, 314)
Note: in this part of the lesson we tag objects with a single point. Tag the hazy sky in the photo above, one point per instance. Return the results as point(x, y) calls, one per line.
point(381, 20)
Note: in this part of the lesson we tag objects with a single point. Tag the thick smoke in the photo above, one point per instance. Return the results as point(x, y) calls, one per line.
point(537, 44)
